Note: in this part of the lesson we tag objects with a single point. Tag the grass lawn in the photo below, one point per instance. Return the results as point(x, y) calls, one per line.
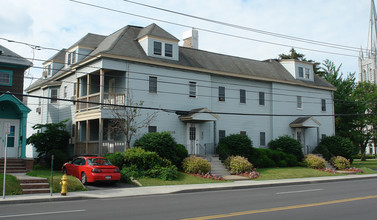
point(183, 178)
point(371, 163)
point(12, 185)
point(290, 172)
point(74, 183)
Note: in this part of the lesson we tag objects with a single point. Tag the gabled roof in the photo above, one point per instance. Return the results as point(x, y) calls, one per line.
point(90, 40)
point(59, 57)
point(155, 31)
point(11, 98)
point(200, 114)
point(9, 57)
point(305, 122)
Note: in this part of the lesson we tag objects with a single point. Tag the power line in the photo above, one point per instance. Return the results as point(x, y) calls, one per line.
point(207, 30)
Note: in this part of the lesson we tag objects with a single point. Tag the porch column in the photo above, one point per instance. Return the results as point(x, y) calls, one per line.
point(100, 135)
point(87, 137)
point(23, 135)
point(88, 83)
point(101, 85)
point(78, 94)
point(76, 137)
point(317, 136)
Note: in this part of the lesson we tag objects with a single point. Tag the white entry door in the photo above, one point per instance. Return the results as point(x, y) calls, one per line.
point(12, 141)
point(300, 136)
point(193, 138)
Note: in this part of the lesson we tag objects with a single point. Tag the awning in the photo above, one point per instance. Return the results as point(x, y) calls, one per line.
point(305, 122)
point(200, 114)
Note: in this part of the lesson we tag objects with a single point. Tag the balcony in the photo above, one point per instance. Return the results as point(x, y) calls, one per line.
point(93, 101)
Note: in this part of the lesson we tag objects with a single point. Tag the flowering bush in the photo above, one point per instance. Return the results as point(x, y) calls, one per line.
point(328, 170)
point(227, 162)
point(209, 176)
point(252, 175)
point(239, 165)
point(315, 162)
point(357, 170)
point(196, 165)
point(340, 163)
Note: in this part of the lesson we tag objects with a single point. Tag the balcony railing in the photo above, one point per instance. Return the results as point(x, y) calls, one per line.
point(93, 147)
point(94, 101)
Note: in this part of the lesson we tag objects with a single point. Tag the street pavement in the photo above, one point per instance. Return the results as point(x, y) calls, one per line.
point(159, 190)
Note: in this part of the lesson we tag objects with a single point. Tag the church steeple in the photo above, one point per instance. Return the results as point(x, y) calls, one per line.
point(368, 60)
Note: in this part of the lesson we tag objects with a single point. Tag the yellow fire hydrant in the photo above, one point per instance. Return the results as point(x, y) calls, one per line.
point(64, 184)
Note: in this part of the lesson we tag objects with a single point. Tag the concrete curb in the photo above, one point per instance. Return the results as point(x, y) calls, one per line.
point(163, 190)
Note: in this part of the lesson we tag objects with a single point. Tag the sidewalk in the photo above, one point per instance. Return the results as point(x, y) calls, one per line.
point(159, 190)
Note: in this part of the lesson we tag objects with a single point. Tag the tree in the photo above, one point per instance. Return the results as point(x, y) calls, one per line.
point(129, 119)
point(52, 140)
point(299, 56)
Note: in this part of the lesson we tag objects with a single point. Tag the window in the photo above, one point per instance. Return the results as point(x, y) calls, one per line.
point(307, 73)
point(47, 70)
point(11, 136)
point(65, 92)
point(152, 129)
point(221, 93)
point(168, 50)
point(261, 98)
point(301, 72)
point(157, 48)
point(6, 77)
point(323, 136)
point(221, 134)
point(242, 132)
point(192, 133)
point(262, 138)
point(152, 84)
point(299, 102)
point(74, 89)
point(192, 89)
point(242, 96)
point(71, 57)
point(323, 104)
point(54, 95)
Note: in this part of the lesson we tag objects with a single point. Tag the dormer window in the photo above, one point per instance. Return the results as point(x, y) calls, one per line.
point(304, 72)
point(71, 57)
point(301, 72)
point(307, 73)
point(169, 50)
point(47, 70)
point(157, 48)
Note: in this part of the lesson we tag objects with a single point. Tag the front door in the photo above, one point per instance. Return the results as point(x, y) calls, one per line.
point(12, 140)
point(193, 138)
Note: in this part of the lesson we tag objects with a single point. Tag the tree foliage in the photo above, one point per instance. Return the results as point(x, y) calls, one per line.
point(52, 139)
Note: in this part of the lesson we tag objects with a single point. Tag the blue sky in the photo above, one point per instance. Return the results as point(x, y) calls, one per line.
point(60, 23)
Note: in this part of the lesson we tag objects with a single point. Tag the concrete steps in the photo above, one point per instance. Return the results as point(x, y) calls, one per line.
point(13, 165)
point(217, 167)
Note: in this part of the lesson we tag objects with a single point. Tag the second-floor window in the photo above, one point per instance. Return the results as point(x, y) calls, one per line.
point(262, 138)
point(152, 84)
point(152, 129)
point(242, 132)
point(54, 95)
point(157, 48)
point(323, 105)
point(299, 102)
point(6, 77)
point(261, 98)
point(221, 134)
point(192, 89)
point(221, 93)
point(242, 96)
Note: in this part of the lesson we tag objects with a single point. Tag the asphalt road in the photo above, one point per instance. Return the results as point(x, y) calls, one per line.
point(355, 199)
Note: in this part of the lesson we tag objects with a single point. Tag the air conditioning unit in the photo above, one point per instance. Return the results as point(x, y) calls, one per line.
point(38, 110)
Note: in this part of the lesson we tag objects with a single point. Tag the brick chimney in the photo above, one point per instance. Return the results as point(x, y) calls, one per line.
point(191, 39)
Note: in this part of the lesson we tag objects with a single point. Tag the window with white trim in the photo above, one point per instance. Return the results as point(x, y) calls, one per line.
point(54, 95)
point(307, 73)
point(242, 96)
point(261, 98)
point(192, 89)
point(157, 48)
point(323, 105)
point(299, 102)
point(221, 134)
point(262, 138)
point(152, 84)
point(301, 72)
point(168, 50)
point(222, 93)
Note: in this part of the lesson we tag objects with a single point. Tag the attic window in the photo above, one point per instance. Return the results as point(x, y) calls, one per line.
point(157, 48)
point(307, 73)
point(168, 50)
point(301, 72)
point(71, 57)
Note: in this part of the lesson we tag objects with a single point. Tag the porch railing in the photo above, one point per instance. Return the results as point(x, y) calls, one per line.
point(93, 147)
point(95, 102)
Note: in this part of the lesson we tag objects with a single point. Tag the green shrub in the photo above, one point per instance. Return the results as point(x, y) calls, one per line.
point(164, 173)
point(164, 145)
point(340, 163)
point(315, 162)
point(60, 157)
point(291, 160)
point(116, 159)
point(368, 157)
point(287, 145)
point(259, 158)
point(239, 165)
point(335, 146)
point(144, 160)
point(131, 171)
point(234, 144)
point(196, 165)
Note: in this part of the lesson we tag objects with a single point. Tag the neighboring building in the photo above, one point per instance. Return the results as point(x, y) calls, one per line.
point(368, 62)
point(12, 109)
point(204, 96)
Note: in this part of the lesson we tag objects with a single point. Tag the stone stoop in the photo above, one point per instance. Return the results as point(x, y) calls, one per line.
point(34, 185)
point(328, 165)
point(13, 165)
point(217, 167)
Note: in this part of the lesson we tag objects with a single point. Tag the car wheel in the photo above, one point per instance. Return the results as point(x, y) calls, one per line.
point(64, 171)
point(83, 178)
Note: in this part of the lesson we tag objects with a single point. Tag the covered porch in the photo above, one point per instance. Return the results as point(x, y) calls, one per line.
point(302, 126)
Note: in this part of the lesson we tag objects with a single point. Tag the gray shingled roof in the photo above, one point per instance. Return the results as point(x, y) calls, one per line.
point(90, 40)
point(58, 57)
point(9, 57)
point(156, 31)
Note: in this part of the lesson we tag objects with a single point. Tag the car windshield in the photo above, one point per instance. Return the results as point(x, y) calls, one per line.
point(98, 161)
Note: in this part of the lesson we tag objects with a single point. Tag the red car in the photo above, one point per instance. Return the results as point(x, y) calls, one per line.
point(92, 169)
